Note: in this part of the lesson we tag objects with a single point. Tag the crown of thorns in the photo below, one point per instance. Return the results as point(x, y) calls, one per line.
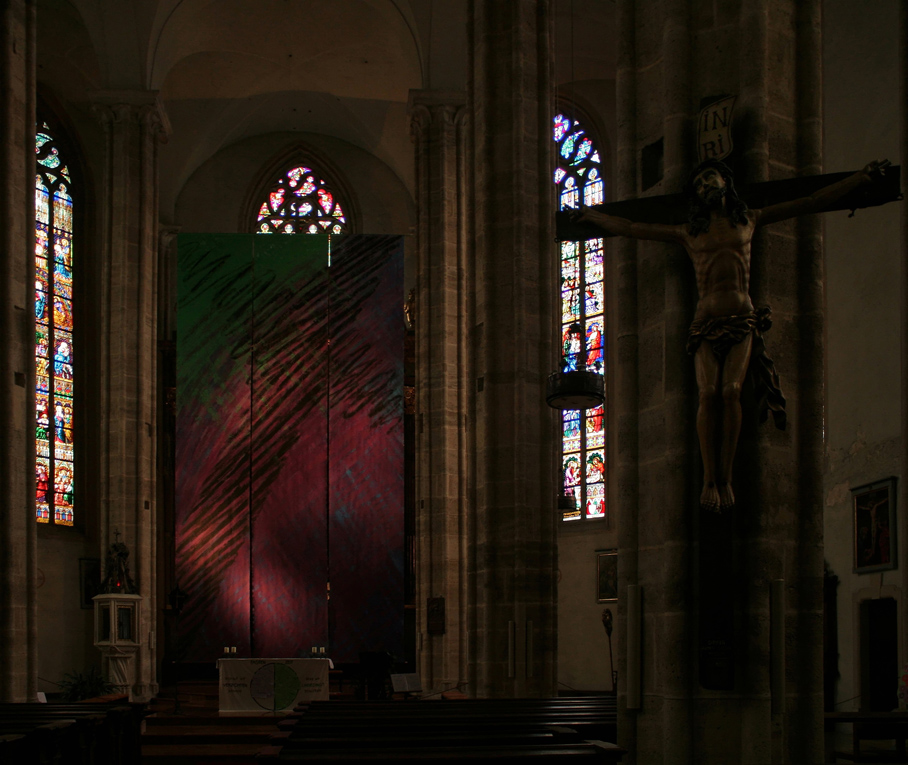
point(724, 170)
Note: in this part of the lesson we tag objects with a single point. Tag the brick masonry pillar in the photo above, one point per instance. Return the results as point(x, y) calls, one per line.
point(512, 555)
point(134, 122)
point(672, 54)
point(18, 528)
point(437, 128)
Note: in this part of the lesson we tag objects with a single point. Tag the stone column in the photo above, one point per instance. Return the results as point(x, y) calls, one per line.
point(134, 121)
point(767, 53)
point(903, 306)
point(18, 527)
point(512, 555)
point(437, 128)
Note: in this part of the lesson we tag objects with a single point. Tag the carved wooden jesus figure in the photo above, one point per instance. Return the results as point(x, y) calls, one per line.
point(726, 330)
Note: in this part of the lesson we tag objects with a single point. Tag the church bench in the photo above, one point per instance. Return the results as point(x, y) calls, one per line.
point(326, 725)
point(398, 737)
point(42, 743)
point(106, 733)
point(470, 707)
point(589, 727)
point(592, 703)
point(503, 730)
point(874, 726)
point(585, 719)
point(553, 754)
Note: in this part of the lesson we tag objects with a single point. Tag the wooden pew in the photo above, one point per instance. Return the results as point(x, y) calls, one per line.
point(553, 754)
point(92, 733)
point(42, 743)
point(560, 730)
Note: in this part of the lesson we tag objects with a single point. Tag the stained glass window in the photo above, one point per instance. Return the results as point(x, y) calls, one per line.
point(54, 501)
point(301, 203)
point(578, 177)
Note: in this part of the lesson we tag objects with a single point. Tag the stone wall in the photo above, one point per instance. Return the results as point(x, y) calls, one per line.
point(864, 440)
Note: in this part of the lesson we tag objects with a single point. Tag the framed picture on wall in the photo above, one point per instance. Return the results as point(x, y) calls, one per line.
point(873, 508)
point(607, 576)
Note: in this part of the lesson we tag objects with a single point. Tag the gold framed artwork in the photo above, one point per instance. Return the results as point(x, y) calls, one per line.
point(873, 511)
point(606, 576)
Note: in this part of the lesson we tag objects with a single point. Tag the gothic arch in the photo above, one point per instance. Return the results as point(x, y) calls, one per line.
point(581, 180)
point(298, 154)
point(85, 341)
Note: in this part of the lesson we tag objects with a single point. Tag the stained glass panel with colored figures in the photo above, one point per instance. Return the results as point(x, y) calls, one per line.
point(594, 190)
point(41, 312)
point(582, 319)
point(570, 265)
point(569, 195)
point(63, 313)
point(593, 299)
point(570, 348)
point(63, 356)
point(572, 471)
point(595, 466)
point(595, 500)
point(300, 202)
point(42, 202)
point(63, 493)
point(570, 305)
point(54, 403)
point(595, 428)
point(42, 418)
point(63, 209)
point(595, 359)
point(571, 425)
point(593, 259)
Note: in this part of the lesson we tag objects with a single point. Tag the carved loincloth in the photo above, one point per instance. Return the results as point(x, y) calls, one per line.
point(723, 332)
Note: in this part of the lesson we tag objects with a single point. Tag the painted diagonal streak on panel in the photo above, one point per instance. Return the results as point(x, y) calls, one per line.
point(289, 446)
point(212, 442)
point(366, 531)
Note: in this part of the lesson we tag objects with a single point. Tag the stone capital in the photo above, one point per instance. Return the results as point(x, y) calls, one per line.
point(140, 106)
point(427, 106)
point(167, 235)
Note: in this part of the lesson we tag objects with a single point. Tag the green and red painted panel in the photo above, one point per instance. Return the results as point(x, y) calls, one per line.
point(290, 444)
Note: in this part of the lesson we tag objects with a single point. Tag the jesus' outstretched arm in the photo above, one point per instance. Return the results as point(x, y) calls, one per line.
point(821, 199)
point(658, 232)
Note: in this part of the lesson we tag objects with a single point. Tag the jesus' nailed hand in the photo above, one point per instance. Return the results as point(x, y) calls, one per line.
point(717, 238)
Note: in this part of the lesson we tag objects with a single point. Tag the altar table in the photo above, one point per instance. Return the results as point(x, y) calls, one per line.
point(270, 685)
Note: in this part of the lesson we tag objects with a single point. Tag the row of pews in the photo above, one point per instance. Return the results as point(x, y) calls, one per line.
point(568, 730)
point(78, 734)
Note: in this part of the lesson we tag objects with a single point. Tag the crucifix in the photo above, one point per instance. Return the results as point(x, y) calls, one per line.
point(725, 337)
point(715, 226)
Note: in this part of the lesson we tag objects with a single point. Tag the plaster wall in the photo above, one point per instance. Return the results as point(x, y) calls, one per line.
point(65, 636)
point(863, 439)
point(583, 646)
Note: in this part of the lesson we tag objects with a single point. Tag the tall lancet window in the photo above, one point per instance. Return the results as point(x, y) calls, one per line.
point(578, 176)
point(54, 502)
point(301, 203)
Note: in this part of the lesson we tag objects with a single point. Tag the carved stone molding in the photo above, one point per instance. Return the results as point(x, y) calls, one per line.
point(140, 106)
point(426, 107)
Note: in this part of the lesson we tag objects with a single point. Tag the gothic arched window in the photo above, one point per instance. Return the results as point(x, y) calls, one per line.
point(578, 176)
point(53, 332)
point(300, 202)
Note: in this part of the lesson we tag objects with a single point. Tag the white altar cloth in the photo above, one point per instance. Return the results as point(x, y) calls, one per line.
point(270, 685)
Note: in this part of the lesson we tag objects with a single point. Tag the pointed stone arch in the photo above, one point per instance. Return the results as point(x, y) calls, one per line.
point(342, 211)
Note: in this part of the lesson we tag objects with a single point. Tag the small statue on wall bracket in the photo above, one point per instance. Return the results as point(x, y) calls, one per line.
point(116, 567)
point(726, 335)
point(410, 310)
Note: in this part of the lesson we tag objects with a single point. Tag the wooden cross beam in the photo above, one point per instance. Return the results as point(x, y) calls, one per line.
point(673, 208)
